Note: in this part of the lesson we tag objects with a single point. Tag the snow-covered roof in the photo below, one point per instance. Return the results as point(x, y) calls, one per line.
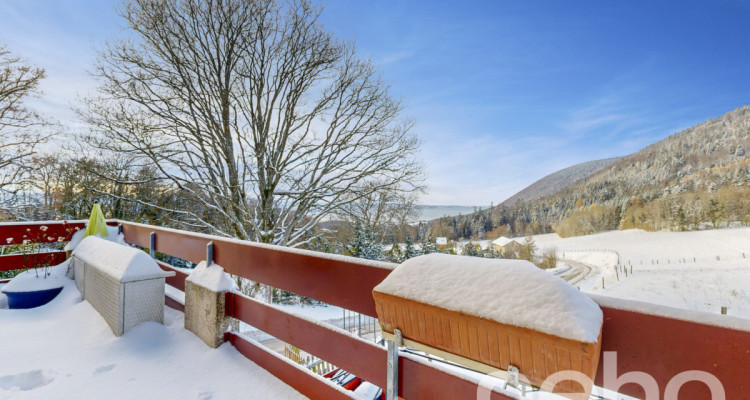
point(503, 241)
point(122, 263)
point(511, 292)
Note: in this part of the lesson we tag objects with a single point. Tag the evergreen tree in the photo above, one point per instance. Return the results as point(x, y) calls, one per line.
point(396, 255)
point(411, 251)
point(471, 249)
point(364, 244)
point(322, 244)
point(715, 212)
point(429, 246)
point(491, 253)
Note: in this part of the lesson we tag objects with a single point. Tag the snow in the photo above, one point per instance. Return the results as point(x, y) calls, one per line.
point(700, 290)
point(366, 391)
point(290, 363)
point(112, 235)
point(28, 281)
point(174, 293)
point(122, 263)
point(212, 278)
point(65, 350)
point(696, 271)
point(329, 314)
point(512, 292)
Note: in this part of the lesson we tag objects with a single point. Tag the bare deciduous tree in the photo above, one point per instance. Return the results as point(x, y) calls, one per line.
point(386, 212)
point(253, 108)
point(18, 137)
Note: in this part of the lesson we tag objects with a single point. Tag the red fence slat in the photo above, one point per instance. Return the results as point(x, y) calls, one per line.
point(364, 359)
point(173, 304)
point(20, 261)
point(351, 353)
point(186, 245)
point(56, 231)
point(422, 382)
point(178, 280)
point(664, 347)
point(304, 382)
point(334, 280)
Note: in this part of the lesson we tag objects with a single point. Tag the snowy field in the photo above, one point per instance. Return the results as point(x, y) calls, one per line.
point(65, 350)
point(698, 270)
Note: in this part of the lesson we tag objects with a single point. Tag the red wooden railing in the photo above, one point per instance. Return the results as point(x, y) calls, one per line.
point(39, 231)
point(342, 281)
point(20, 261)
point(12, 233)
point(660, 346)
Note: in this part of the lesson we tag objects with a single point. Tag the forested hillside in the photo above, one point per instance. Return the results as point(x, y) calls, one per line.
point(696, 178)
point(559, 180)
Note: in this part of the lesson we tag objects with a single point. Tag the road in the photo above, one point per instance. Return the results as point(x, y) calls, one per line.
point(577, 272)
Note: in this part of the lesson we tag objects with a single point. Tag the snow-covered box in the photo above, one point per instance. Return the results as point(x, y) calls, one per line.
point(123, 284)
point(493, 315)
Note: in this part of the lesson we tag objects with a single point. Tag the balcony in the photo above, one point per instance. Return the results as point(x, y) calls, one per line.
point(655, 340)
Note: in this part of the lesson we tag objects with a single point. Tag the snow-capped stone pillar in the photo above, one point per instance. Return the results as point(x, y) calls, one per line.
point(205, 314)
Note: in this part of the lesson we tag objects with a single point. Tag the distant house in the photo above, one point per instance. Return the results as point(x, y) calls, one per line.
point(506, 246)
point(441, 242)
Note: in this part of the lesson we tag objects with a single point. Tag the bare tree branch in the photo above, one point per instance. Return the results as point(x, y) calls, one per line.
point(255, 110)
point(18, 136)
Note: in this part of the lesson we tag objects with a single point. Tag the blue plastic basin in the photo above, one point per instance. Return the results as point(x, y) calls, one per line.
point(18, 300)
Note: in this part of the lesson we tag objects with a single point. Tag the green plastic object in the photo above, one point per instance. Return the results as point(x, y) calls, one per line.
point(97, 224)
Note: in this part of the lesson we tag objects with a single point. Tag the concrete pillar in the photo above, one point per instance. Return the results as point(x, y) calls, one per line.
point(205, 313)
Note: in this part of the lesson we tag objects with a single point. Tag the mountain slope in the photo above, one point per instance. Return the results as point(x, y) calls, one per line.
point(559, 180)
point(696, 178)
point(702, 158)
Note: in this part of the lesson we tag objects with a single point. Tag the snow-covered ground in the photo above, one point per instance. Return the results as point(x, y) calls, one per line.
point(65, 350)
point(698, 270)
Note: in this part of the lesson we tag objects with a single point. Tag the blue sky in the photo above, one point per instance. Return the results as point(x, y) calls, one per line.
point(503, 92)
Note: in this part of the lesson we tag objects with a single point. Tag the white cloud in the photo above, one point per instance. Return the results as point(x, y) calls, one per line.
point(394, 57)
